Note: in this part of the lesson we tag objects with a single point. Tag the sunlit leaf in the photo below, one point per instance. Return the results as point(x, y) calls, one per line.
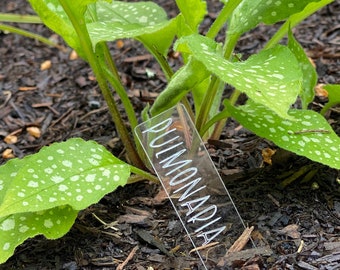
point(131, 20)
point(53, 15)
point(193, 12)
point(310, 76)
point(272, 77)
point(252, 12)
point(42, 193)
point(15, 229)
point(75, 172)
point(333, 96)
point(309, 134)
point(184, 80)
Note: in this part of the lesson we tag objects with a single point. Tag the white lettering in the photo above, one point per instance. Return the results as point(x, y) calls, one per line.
point(198, 217)
point(153, 145)
point(169, 162)
point(190, 204)
point(154, 129)
point(208, 224)
point(191, 185)
point(171, 153)
point(168, 149)
point(205, 234)
point(194, 171)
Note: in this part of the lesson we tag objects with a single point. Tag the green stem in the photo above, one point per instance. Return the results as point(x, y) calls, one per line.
point(218, 23)
point(24, 33)
point(207, 103)
point(222, 18)
point(216, 84)
point(110, 63)
point(187, 106)
point(221, 122)
point(229, 46)
point(167, 70)
point(127, 105)
point(116, 83)
point(141, 175)
point(217, 118)
point(295, 20)
point(85, 42)
point(17, 18)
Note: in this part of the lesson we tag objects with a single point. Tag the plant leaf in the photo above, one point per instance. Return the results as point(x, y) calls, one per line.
point(310, 76)
point(75, 173)
point(308, 135)
point(131, 20)
point(333, 96)
point(15, 229)
point(184, 80)
point(252, 12)
point(54, 17)
point(272, 77)
point(193, 12)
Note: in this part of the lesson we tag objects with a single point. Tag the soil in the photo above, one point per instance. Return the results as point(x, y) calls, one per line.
point(298, 225)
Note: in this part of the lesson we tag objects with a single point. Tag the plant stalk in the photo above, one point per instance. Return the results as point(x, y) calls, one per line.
point(85, 42)
point(18, 18)
point(28, 34)
point(216, 85)
point(141, 175)
point(222, 18)
point(295, 20)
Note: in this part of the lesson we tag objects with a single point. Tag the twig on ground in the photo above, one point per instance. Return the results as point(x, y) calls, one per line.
point(129, 257)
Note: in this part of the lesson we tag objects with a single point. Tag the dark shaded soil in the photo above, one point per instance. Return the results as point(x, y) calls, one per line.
point(300, 224)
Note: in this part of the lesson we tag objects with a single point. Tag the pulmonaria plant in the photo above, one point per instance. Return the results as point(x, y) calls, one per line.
point(42, 193)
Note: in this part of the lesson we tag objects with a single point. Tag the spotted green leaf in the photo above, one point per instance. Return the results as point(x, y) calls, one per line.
point(193, 12)
point(75, 173)
point(272, 77)
point(54, 17)
point(252, 12)
point(185, 79)
point(145, 21)
point(309, 74)
point(333, 96)
point(15, 229)
point(309, 134)
point(42, 193)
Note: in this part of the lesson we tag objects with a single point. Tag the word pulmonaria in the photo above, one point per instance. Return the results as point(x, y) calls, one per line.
point(183, 180)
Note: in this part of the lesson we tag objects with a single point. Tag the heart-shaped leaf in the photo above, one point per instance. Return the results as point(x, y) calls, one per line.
point(75, 173)
point(42, 193)
point(308, 135)
point(132, 20)
point(53, 15)
point(272, 77)
point(333, 96)
point(252, 12)
point(15, 229)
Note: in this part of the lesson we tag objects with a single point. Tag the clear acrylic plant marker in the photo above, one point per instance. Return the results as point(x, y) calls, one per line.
point(192, 183)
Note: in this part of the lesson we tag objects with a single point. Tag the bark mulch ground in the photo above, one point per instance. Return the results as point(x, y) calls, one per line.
point(299, 225)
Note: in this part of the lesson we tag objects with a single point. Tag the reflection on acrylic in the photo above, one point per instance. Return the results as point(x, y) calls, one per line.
point(191, 181)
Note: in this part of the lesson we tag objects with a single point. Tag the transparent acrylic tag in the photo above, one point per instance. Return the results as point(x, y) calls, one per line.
point(192, 182)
